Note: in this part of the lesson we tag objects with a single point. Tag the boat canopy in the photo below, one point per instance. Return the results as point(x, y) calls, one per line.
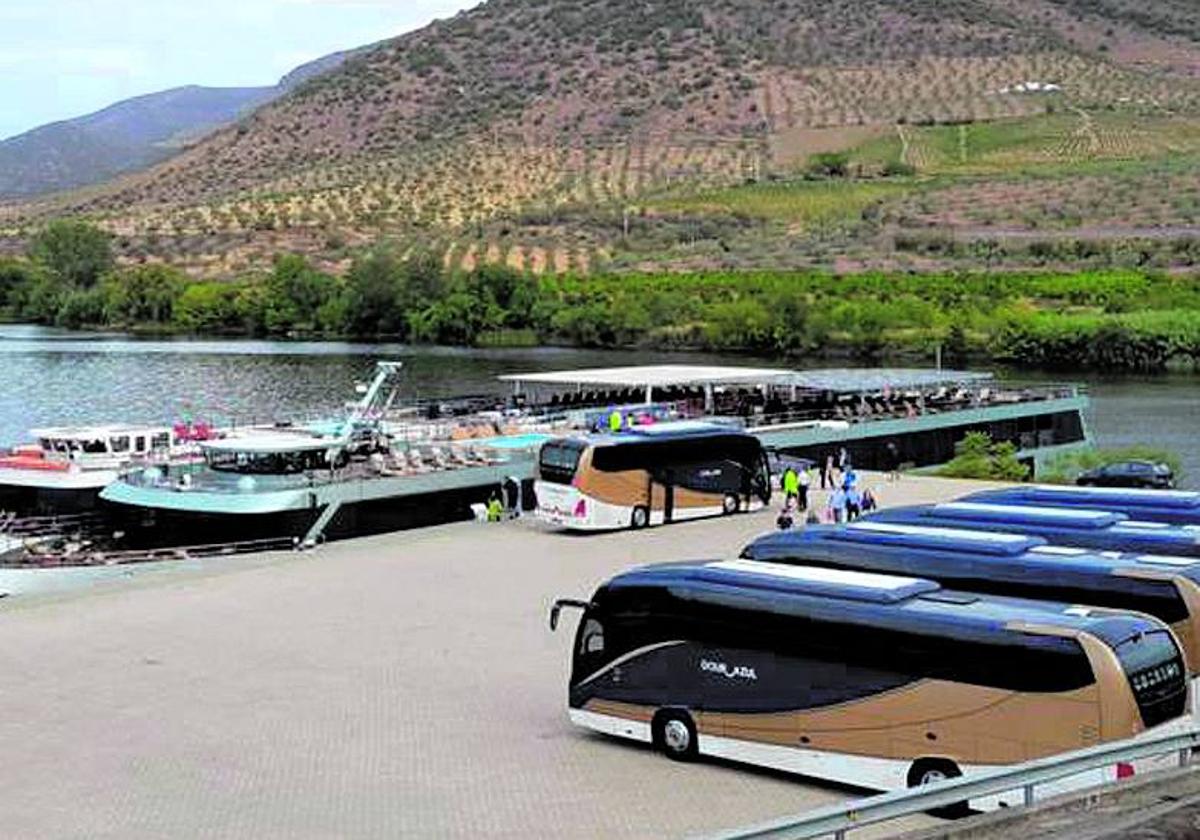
point(652, 376)
point(870, 380)
point(93, 432)
point(846, 380)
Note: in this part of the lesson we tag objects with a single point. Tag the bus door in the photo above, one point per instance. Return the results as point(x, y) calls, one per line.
point(662, 495)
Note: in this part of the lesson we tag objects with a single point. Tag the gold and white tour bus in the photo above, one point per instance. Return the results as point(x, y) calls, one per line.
point(878, 681)
point(651, 475)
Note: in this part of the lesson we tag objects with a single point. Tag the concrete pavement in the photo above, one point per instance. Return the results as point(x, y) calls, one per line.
point(399, 686)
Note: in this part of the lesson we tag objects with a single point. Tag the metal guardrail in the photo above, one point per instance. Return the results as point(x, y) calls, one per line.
point(836, 820)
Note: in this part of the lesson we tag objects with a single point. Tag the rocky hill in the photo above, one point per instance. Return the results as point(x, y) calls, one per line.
point(524, 112)
point(131, 134)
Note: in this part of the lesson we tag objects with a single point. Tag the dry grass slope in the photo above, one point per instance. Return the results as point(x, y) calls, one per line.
point(535, 108)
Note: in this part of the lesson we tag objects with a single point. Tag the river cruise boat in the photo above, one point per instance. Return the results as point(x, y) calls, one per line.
point(913, 417)
point(387, 466)
point(64, 472)
point(360, 475)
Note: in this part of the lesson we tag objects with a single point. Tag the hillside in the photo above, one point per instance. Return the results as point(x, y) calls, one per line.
point(526, 131)
point(131, 134)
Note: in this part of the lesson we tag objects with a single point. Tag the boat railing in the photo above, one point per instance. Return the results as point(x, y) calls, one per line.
point(415, 461)
point(97, 557)
point(13, 525)
point(863, 408)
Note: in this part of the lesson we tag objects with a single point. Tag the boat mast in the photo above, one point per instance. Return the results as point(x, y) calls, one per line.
point(383, 372)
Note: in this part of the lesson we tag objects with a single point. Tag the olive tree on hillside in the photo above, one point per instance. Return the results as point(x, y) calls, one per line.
point(75, 251)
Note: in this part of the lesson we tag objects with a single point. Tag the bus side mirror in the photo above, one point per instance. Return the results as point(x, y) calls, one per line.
point(556, 610)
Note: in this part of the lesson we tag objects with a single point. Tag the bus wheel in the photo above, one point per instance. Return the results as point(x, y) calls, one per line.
point(675, 734)
point(640, 518)
point(730, 505)
point(926, 771)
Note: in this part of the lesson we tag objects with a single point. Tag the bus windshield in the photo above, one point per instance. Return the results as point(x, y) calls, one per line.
point(1154, 669)
point(1146, 650)
point(559, 460)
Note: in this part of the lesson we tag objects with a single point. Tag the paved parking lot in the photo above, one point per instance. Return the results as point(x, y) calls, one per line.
point(405, 685)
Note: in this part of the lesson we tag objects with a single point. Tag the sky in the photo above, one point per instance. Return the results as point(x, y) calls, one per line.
point(65, 58)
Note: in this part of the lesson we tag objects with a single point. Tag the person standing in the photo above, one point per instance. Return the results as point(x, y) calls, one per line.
point(853, 503)
point(893, 460)
point(805, 479)
point(791, 485)
point(827, 472)
point(837, 501)
point(614, 421)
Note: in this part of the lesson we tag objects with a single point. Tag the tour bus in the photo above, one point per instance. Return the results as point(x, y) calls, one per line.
point(651, 475)
point(1176, 507)
point(1166, 587)
point(877, 681)
point(1097, 529)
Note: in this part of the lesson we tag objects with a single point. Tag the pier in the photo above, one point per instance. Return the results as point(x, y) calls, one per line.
point(402, 685)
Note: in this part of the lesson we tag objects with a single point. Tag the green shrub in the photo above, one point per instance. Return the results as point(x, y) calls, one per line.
point(76, 252)
point(978, 457)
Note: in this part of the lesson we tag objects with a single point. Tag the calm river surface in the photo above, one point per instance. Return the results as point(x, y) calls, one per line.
point(52, 377)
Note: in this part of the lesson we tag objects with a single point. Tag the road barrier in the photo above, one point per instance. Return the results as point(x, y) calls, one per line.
point(837, 820)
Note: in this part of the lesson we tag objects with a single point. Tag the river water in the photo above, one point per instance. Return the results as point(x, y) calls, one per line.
point(55, 377)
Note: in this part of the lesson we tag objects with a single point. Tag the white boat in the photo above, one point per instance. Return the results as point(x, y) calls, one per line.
point(67, 468)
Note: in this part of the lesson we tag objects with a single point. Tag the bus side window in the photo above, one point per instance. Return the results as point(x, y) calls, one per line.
point(591, 641)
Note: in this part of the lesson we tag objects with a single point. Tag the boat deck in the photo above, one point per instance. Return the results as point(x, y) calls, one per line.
point(404, 685)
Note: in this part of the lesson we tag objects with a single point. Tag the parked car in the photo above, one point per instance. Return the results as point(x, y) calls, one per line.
point(1140, 474)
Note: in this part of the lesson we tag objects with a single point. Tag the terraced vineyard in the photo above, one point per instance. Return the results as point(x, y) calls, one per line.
point(1070, 137)
point(1156, 200)
point(571, 136)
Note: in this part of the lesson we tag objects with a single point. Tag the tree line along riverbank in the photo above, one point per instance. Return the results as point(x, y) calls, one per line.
point(1109, 320)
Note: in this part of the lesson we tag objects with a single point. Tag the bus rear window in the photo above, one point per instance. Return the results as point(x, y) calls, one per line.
point(559, 460)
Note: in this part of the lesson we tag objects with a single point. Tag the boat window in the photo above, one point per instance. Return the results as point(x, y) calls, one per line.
point(95, 447)
point(139, 443)
point(120, 444)
point(268, 463)
point(162, 440)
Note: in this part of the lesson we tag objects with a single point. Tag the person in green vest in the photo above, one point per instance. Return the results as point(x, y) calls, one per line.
point(614, 421)
point(495, 510)
point(791, 485)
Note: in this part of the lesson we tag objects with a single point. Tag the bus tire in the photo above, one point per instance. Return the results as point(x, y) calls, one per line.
point(730, 504)
point(674, 734)
point(925, 771)
point(640, 517)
